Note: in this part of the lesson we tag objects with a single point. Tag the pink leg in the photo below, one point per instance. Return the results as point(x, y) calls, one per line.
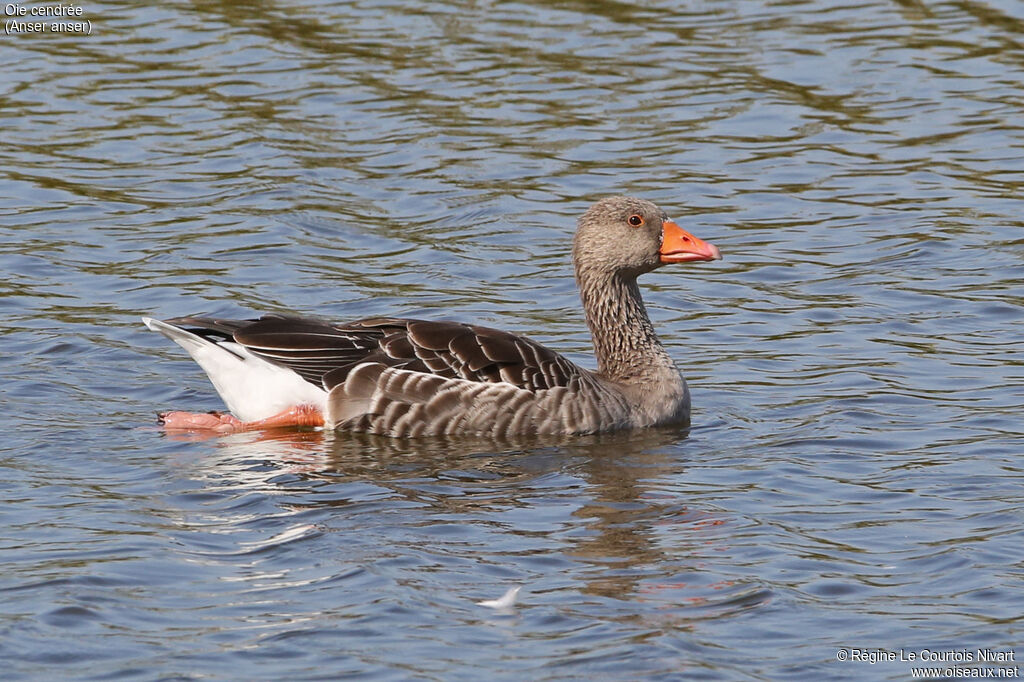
point(218, 422)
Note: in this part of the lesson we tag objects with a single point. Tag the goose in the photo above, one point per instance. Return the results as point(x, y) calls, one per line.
point(407, 377)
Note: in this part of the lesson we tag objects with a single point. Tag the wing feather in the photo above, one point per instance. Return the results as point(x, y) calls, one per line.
point(325, 353)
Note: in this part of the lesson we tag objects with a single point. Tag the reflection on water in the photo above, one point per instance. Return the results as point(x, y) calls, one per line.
point(851, 479)
point(609, 484)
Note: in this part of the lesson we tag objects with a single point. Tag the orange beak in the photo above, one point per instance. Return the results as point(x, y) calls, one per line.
point(679, 246)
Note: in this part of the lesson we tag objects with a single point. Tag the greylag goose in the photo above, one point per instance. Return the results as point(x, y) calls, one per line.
point(403, 377)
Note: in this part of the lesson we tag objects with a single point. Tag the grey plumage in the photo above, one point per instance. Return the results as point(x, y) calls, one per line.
point(406, 377)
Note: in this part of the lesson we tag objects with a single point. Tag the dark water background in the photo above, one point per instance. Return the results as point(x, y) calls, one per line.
point(853, 477)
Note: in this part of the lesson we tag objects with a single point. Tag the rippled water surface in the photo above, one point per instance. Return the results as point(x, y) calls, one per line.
point(852, 480)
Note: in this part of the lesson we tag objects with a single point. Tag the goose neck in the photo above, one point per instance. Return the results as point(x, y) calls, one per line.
point(626, 346)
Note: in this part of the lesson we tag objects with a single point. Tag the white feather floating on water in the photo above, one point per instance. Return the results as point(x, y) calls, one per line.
point(506, 601)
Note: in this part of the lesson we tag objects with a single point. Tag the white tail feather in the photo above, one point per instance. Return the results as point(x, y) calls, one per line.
point(251, 387)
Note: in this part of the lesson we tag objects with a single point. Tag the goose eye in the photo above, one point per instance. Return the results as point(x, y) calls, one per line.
point(636, 220)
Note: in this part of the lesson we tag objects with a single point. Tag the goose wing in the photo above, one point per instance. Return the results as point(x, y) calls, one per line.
point(325, 353)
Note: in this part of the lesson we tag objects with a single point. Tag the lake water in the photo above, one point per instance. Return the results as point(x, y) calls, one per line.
point(851, 489)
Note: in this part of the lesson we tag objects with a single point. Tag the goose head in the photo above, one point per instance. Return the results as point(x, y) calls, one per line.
point(630, 236)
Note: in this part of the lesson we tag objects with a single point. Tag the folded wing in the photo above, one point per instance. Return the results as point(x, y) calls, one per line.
point(325, 353)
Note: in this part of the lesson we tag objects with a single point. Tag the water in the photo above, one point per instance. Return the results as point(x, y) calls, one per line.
point(852, 480)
